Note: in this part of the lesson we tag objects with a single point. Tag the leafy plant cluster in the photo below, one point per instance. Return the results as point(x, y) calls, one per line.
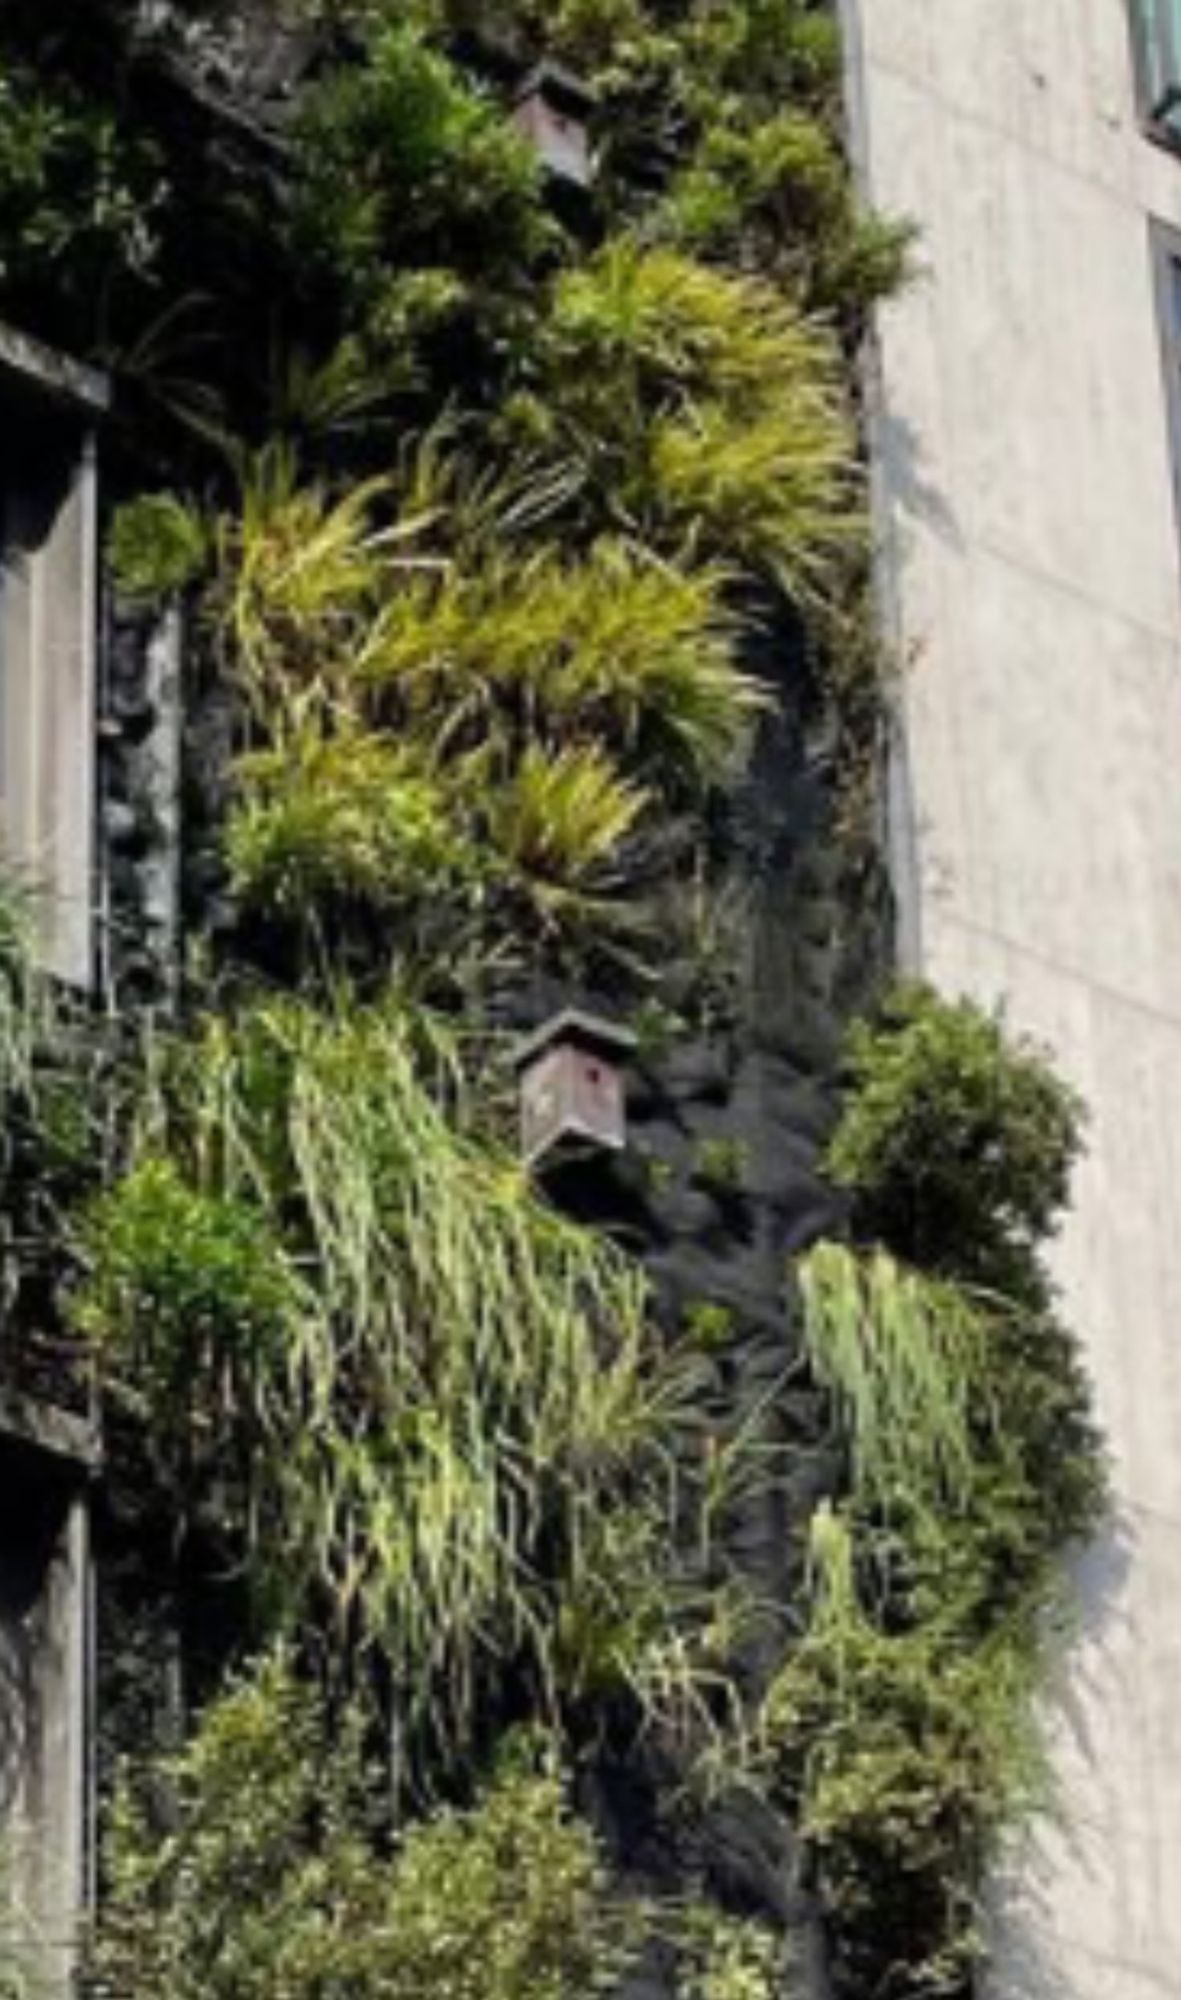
point(499, 691)
point(431, 1414)
point(463, 729)
point(488, 506)
point(61, 1085)
point(273, 1825)
point(904, 1727)
point(956, 1146)
point(500, 704)
point(507, 1898)
point(52, 144)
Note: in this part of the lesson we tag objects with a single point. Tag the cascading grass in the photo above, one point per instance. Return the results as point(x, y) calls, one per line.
point(902, 1355)
point(438, 1390)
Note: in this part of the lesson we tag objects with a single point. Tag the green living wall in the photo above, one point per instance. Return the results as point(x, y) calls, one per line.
point(506, 518)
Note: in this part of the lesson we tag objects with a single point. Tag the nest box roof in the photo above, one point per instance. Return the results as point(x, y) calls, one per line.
point(587, 1031)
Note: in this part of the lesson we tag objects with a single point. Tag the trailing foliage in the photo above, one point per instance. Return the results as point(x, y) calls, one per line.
point(903, 1728)
point(902, 1355)
point(970, 1430)
point(410, 1391)
point(909, 1755)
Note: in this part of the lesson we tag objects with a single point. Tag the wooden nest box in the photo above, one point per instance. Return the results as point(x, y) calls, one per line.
point(553, 108)
point(571, 1077)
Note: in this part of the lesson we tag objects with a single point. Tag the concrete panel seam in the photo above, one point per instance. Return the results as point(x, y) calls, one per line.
point(1034, 572)
point(1073, 975)
point(962, 114)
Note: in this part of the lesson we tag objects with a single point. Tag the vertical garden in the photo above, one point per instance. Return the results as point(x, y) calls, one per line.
point(638, 1578)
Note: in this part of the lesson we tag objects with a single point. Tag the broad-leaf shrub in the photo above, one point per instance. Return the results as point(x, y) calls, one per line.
point(405, 171)
point(956, 1143)
point(260, 1862)
point(908, 1755)
point(264, 1877)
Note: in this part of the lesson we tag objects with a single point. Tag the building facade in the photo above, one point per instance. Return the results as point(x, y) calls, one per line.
point(51, 409)
point(1026, 462)
point(1026, 429)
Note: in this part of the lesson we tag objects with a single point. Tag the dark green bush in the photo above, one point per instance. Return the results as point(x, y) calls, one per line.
point(156, 546)
point(956, 1143)
point(78, 192)
point(266, 1879)
point(908, 1757)
point(188, 1292)
point(406, 172)
point(903, 1728)
point(259, 1862)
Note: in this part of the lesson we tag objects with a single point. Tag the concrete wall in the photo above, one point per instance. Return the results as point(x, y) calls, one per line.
point(1030, 573)
point(45, 1683)
point(48, 639)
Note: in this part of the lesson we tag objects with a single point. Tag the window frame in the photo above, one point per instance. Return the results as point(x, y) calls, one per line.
point(1165, 248)
point(1156, 109)
point(50, 727)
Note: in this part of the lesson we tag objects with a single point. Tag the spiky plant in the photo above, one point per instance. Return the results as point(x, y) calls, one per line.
point(711, 407)
point(300, 568)
point(612, 646)
point(486, 729)
point(559, 822)
point(905, 1359)
point(355, 816)
point(449, 1386)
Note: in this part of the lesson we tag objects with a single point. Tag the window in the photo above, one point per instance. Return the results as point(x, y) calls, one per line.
point(48, 644)
point(1156, 26)
point(1166, 253)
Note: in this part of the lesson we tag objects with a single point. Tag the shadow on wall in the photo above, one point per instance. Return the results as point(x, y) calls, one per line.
point(898, 452)
point(1026, 1939)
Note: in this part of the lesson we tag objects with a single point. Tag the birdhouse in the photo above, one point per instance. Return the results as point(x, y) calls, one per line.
point(553, 109)
point(571, 1073)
